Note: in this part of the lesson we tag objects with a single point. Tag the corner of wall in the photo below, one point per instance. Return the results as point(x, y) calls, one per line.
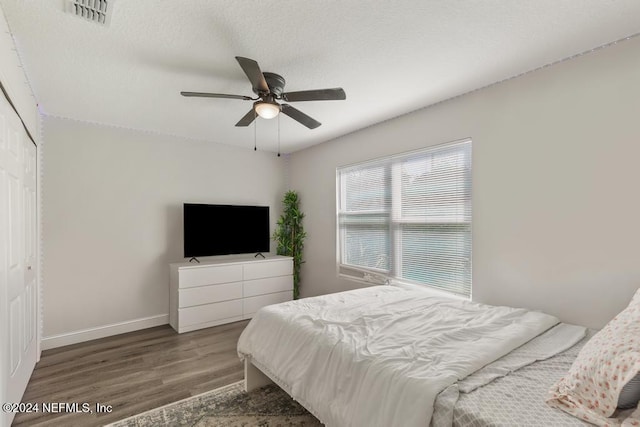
point(40, 261)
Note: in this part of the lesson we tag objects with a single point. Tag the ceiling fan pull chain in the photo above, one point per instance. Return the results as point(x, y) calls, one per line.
point(278, 135)
point(255, 125)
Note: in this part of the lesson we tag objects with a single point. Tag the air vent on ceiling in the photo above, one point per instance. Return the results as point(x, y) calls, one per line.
point(98, 11)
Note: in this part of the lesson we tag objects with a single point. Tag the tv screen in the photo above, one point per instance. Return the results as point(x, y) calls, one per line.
point(225, 229)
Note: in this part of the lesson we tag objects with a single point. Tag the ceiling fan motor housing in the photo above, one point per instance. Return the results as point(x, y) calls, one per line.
point(275, 82)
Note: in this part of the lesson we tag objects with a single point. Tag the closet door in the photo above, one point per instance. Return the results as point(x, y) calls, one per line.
point(18, 241)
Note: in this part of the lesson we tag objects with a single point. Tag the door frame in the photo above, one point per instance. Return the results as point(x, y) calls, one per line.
point(38, 326)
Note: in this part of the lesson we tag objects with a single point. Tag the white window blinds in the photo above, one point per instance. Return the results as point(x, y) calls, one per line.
point(408, 218)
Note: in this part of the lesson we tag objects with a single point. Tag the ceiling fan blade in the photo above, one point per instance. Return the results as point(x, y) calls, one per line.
point(334, 94)
point(215, 95)
point(247, 119)
point(253, 72)
point(300, 117)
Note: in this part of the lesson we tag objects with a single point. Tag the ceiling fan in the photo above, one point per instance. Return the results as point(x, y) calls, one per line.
point(269, 88)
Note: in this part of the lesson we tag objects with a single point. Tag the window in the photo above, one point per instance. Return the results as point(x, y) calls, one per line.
point(408, 218)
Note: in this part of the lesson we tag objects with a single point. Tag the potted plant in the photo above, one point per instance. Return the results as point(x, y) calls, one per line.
point(290, 235)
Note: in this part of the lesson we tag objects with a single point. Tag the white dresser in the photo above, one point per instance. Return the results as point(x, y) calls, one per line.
point(226, 290)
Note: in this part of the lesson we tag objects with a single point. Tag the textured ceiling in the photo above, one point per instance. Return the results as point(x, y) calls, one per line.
point(391, 57)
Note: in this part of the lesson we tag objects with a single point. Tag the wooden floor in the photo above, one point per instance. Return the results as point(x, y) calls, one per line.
point(132, 372)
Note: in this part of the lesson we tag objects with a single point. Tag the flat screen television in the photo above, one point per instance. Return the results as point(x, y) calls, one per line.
point(225, 229)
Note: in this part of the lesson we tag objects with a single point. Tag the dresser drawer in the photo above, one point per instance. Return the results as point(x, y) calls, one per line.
point(209, 294)
point(258, 270)
point(224, 290)
point(209, 312)
point(209, 275)
point(267, 286)
point(253, 304)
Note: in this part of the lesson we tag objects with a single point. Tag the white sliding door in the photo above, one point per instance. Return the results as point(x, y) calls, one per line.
point(18, 243)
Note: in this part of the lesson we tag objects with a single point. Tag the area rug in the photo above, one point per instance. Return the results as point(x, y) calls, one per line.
point(228, 406)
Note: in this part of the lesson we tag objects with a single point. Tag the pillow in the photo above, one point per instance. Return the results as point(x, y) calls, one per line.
point(630, 394)
point(605, 365)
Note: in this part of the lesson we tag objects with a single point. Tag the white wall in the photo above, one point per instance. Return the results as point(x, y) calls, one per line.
point(14, 80)
point(112, 207)
point(555, 185)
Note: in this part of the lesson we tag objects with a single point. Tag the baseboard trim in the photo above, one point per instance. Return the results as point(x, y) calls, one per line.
point(103, 331)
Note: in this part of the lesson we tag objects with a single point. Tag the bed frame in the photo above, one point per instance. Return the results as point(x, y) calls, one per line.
point(253, 377)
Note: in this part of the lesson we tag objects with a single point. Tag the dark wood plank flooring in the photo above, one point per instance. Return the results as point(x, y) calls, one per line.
point(132, 372)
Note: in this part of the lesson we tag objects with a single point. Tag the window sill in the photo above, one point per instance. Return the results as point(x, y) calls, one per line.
point(372, 279)
point(428, 289)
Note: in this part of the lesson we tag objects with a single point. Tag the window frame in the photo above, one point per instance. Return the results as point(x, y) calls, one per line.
point(394, 221)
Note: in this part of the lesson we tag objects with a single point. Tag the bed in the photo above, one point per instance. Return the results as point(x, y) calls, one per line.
point(387, 355)
point(511, 391)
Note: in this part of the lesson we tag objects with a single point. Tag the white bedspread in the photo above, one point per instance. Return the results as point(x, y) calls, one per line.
point(379, 356)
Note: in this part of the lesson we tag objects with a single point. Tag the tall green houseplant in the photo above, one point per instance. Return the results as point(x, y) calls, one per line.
point(290, 235)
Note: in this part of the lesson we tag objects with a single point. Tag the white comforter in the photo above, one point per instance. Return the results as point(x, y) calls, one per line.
point(379, 356)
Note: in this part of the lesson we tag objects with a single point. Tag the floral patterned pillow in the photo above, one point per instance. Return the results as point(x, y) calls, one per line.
point(610, 360)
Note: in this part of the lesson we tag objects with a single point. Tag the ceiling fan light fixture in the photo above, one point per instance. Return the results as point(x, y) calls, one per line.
point(266, 109)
